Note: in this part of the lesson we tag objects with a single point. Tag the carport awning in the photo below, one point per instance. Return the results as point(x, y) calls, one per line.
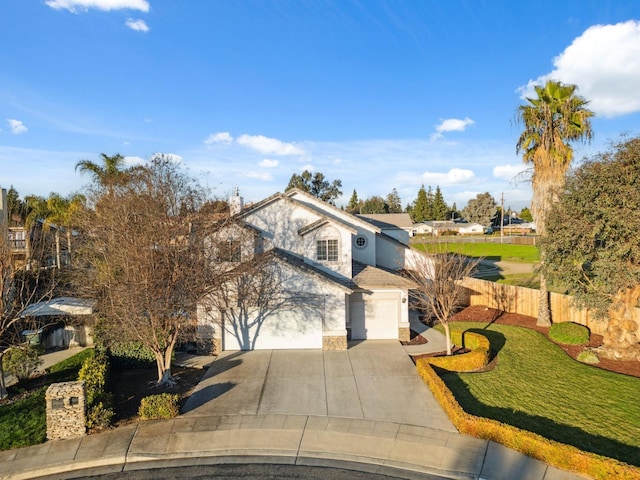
point(59, 306)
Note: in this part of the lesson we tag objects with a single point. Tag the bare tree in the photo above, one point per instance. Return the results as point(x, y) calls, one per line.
point(439, 292)
point(18, 289)
point(142, 257)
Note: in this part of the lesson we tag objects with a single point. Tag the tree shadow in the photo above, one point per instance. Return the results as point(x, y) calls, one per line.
point(540, 425)
point(206, 394)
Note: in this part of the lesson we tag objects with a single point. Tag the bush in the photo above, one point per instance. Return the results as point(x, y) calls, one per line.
point(163, 405)
point(569, 333)
point(94, 373)
point(100, 415)
point(22, 362)
point(128, 355)
point(476, 359)
point(587, 356)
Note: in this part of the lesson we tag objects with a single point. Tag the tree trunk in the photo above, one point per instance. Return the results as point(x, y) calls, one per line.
point(57, 237)
point(163, 362)
point(544, 309)
point(3, 386)
point(69, 243)
point(622, 339)
point(447, 334)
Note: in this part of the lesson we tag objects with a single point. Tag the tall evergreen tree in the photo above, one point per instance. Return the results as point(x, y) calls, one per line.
point(420, 209)
point(394, 204)
point(354, 203)
point(440, 208)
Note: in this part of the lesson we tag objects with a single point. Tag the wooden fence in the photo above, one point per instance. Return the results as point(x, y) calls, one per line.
point(525, 301)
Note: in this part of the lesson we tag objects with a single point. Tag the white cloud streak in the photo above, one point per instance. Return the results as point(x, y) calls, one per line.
point(455, 176)
point(603, 63)
point(16, 126)
point(267, 177)
point(267, 163)
point(105, 5)
point(510, 173)
point(137, 25)
point(223, 138)
point(268, 146)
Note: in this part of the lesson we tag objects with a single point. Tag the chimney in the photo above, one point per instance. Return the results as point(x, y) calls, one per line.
point(236, 203)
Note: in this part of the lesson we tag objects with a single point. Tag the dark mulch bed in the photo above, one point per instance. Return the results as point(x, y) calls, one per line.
point(415, 339)
point(131, 386)
point(490, 315)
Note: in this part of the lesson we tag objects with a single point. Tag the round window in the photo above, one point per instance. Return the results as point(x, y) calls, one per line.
point(361, 241)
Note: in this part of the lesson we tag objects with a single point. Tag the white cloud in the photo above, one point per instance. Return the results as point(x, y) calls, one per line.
point(603, 62)
point(137, 25)
point(269, 146)
point(451, 125)
point(269, 163)
point(267, 177)
point(16, 126)
point(106, 5)
point(131, 160)
point(509, 172)
point(455, 176)
point(223, 138)
point(169, 156)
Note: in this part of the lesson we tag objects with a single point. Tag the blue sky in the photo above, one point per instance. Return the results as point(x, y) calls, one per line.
point(378, 94)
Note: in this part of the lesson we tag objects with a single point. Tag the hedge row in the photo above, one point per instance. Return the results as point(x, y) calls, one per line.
point(554, 453)
point(95, 374)
point(476, 359)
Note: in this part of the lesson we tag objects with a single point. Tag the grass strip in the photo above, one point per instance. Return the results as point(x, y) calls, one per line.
point(24, 422)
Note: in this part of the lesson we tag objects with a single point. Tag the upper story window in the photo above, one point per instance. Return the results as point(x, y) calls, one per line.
point(327, 250)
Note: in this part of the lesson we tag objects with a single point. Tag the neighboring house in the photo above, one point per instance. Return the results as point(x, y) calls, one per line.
point(396, 225)
point(522, 228)
point(447, 227)
point(333, 277)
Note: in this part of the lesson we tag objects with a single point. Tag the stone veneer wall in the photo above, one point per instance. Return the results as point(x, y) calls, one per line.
point(66, 406)
point(404, 334)
point(337, 342)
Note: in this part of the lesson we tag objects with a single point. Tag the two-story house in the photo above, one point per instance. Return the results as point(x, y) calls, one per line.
point(341, 269)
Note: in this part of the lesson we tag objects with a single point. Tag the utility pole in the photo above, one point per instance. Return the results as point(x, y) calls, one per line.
point(501, 218)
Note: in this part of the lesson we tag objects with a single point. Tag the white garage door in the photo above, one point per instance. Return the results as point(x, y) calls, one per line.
point(374, 316)
point(289, 330)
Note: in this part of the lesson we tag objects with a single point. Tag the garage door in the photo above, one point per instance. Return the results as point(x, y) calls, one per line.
point(289, 330)
point(374, 316)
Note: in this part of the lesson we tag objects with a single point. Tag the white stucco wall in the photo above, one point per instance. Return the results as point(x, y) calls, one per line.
point(389, 254)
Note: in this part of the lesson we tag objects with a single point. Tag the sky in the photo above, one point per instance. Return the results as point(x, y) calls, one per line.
point(378, 94)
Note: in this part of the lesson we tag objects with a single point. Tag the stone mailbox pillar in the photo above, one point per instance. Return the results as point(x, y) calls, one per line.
point(65, 410)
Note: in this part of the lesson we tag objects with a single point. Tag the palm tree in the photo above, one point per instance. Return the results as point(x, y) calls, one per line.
point(556, 117)
point(36, 210)
point(110, 173)
point(59, 214)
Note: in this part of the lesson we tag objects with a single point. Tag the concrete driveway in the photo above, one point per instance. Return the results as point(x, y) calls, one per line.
point(372, 380)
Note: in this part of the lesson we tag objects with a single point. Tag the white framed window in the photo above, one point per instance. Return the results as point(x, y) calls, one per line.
point(327, 250)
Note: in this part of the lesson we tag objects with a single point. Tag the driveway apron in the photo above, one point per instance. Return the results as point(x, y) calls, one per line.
point(372, 380)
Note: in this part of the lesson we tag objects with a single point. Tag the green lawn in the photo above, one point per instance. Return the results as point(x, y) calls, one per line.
point(24, 422)
point(537, 387)
point(491, 251)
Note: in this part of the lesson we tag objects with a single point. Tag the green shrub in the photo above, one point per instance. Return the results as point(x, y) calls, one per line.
point(569, 333)
point(22, 362)
point(100, 415)
point(94, 373)
point(477, 358)
point(128, 355)
point(163, 405)
point(587, 356)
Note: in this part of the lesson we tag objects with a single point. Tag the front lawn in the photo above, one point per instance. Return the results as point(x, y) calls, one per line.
point(492, 251)
point(537, 387)
point(23, 419)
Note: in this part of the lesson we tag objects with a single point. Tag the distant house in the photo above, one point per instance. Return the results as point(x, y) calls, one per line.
point(523, 228)
point(341, 268)
point(447, 227)
point(397, 225)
